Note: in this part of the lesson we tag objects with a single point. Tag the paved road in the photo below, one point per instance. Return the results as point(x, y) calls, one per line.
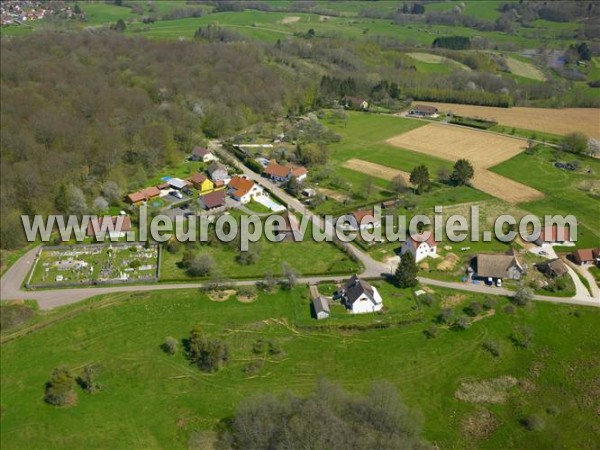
point(13, 279)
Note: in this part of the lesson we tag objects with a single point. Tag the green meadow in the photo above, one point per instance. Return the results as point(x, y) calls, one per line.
point(151, 400)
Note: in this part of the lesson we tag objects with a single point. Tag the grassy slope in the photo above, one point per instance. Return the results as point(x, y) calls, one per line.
point(150, 400)
point(560, 187)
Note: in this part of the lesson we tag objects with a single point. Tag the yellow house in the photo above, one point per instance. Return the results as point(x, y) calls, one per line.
point(202, 183)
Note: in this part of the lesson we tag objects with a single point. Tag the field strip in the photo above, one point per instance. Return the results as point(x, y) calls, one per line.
point(452, 143)
point(376, 170)
point(504, 188)
point(555, 121)
point(430, 58)
point(524, 69)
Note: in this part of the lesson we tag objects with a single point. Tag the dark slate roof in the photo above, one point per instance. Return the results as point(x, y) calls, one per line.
point(355, 287)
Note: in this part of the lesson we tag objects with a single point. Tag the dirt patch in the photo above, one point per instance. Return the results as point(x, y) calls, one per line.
point(554, 121)
point(220, 296)
point(479, 425)
point(247, 298)
point(453, 300)
point(289, 19)
point(524, 69)
point(486, 391)
point(376, 170)
point(430, 58)
point(484, 150)
point(449, 262)
point(337, 196)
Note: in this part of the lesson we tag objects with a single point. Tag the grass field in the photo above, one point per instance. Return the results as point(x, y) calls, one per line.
point(565, 193)
point(554, 121)
point(151, 400)
point(524, 69)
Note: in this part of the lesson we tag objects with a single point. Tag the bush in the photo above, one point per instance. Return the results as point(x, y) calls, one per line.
point(446, 316)
point(533, 422)
point(87, 379)
point(473, 309)
point(170, 345)
point(462, 323)
point(522, 336)
point(509, 309)
point(493, 347)
point(60, 389)
point(489, 303)
point(431, 332)
point(427, 299)
point(246, 291)
point(523, 296)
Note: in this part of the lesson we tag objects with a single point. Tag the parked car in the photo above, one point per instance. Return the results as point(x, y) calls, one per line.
point(187, 191)
point(499, 282)
point(176, 194)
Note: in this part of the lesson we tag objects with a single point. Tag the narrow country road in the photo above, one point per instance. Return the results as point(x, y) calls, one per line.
point(14, 278)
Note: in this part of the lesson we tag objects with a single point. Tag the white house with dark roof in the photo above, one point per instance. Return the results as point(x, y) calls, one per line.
point(202, 154)
point(420, 245)
point(360, 297)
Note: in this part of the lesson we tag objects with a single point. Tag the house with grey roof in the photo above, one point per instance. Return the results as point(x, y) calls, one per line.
point(498, 267)
point(321, 307)
point(359, 297)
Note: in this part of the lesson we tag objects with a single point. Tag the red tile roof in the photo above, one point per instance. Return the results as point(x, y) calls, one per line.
point(213, 199)
point(200, 151)
point(102, 225)
point(418, 239)
point(240, 185)
point(198, 178)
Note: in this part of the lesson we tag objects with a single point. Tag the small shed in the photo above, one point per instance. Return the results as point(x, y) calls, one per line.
point(321, 307)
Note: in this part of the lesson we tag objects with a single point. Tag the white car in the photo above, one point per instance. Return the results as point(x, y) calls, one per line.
point(176, 194)
point(499, 282)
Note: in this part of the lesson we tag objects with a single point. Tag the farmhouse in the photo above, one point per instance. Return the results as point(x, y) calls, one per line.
point(423, 111)
point(277, 172)
point(115, 226)
point(143, 196)
point(420, 245)
point(202, 154)
point(217, 171)
point(291, 230)
point(357, 103)
point(202, 182)
point(360, 297)
point(498, 267)
point(553, 268)
point(586, 256)
point(553, 235)
point(212, 200)
point(243, 189)
point(321, 307)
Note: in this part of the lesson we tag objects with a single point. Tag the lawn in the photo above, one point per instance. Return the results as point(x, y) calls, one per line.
point(564, 189)
point(307, 257)
point(151, 400)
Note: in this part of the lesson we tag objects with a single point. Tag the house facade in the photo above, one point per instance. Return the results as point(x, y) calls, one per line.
point(280, 173)
point(202, 182)
point(424, 111)
point(360, 297)
point(586, 256)
point(244, 190)
point(498, 267)
point(202, 154)
point(420, 245)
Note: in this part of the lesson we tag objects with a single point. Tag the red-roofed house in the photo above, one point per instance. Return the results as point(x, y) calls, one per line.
point(420, 245)
point(553, 235)
point(212, 200)
point(243, 189)
point(143, 195)
point(115, 226)
point(586, 256)
point(277, 172)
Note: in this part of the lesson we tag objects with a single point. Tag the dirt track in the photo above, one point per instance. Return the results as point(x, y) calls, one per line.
point(376, 170)
point(554, 121)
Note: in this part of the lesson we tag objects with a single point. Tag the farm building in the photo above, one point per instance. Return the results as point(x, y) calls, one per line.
point(424, 111)
point(202, 154)
point(218, 171)
point(202, 182)
point(498, 267)
point(212, 200)
point(115, 226)
point(277, 172)
point(586, 256)
point(360, 104)
point(553, 268)
point(243, 189)
point(359, 297)
point(420, 245)
point(143, 196)
point(321, 307)
point(554, 235)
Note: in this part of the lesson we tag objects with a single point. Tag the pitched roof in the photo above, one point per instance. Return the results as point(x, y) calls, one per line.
point(198, 178)
point(213, 199)
point(241, 186)
point(164, 185)
point(556, 266)
point(554, 234)
point(103, 225)
point(144, 194)
point(200, 151)
point(355, 287)
point(275, 169)
point(321, 304)
point(425, 108)
point(214, 166)
point(177, 183)
point(299, 171)
point(418, 239)
point(586, 254)
point(365, 217)
point(495, 266)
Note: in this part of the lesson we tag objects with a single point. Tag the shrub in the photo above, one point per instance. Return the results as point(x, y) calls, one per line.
point(522, 336)
point(60, 389)
point(246, 291)
point(170, 345)
point(427, 299)
point(431, 332)
point(473, 309)
point(462, 323)
point(493, 347)
point(446, 316)
point(523, 296)
point(489, 303)
point(509, 309)
point(533, 422)
point(87, 379)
